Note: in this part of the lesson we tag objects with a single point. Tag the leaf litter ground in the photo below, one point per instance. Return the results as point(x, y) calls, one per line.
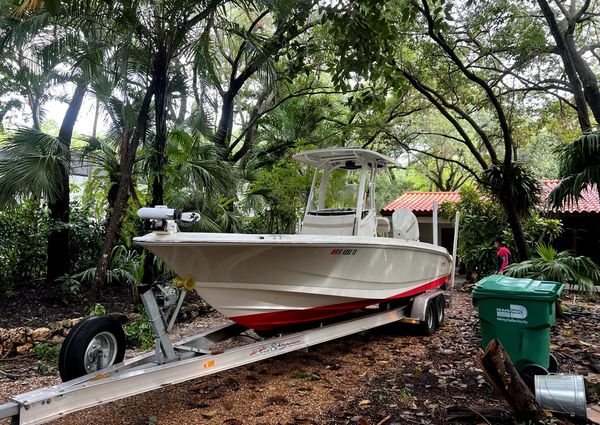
point(388, 376)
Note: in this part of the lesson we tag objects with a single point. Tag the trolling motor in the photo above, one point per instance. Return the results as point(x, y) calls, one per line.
point(164, 219)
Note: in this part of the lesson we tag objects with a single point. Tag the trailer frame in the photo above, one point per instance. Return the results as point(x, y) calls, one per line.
point(191, 358)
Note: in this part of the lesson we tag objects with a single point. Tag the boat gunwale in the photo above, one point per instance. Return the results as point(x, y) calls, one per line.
point(348, 243)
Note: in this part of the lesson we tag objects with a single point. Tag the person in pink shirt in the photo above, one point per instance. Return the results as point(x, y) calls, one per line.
point(503, 256)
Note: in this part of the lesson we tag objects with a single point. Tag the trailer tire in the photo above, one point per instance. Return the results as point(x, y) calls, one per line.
point(440, 311)
point(428, 326)
point(79, 352)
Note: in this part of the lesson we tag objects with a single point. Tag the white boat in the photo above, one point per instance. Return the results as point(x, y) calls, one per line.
point(335, 265)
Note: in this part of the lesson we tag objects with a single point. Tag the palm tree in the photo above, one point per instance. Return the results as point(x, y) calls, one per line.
point(579, 169)
point(35, 163)
point(557, 266)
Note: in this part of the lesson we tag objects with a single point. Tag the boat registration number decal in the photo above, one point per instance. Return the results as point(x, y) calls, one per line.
point(346, 251)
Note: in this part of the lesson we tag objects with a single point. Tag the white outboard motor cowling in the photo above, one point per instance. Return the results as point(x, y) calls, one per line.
point(405, 225)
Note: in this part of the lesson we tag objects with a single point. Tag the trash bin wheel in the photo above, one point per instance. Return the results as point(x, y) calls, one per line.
point(553, 363)
point(528, 373)
point(440, 309)
point(93, 344)
point(428, 326)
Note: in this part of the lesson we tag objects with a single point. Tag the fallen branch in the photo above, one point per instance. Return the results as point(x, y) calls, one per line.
point(503, 376)
point(384, 420)
point(477, 414)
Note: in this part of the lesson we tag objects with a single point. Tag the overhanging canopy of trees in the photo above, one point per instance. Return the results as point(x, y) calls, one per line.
point(205, 100)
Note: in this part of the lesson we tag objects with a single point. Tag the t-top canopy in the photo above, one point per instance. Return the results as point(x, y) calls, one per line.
point(345, 157)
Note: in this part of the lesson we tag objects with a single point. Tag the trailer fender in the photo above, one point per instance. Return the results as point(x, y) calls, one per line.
point(420, 302)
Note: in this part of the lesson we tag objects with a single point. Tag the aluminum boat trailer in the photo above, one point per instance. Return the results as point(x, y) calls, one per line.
point(196, 356)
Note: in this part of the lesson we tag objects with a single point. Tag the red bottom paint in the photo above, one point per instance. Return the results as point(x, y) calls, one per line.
point(278, 319)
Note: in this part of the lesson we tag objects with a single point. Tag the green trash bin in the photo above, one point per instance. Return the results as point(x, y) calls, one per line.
point(519, 312)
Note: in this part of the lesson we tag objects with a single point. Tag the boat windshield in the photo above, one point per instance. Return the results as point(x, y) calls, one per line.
point(339, 192)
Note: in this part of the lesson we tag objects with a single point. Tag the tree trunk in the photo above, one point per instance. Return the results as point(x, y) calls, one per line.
point(223, 136)
point(96, 114)
point(35, 112)
point(123, 192)
point(522, 252)
point(157, 160)
point(59, 255)
point(574, 82)
point(587, 77)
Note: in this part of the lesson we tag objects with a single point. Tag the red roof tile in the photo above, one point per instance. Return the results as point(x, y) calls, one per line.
point(589, 203)
point(421, 202)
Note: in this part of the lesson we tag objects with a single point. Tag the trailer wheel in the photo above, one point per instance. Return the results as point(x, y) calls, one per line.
point(428, 326)
point(93, 344)
point(440, 307)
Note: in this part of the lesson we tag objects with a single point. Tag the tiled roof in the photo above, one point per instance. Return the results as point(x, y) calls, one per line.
point(421, 202)
point(588, 203)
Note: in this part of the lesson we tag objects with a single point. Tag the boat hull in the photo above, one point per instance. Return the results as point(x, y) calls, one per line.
point(268, 282)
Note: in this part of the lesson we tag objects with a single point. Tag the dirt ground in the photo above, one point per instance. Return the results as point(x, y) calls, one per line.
point(387, 376)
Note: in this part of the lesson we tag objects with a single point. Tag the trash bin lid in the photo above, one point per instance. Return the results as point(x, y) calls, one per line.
point(499, 286)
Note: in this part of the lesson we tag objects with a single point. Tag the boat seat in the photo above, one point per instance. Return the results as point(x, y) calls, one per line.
point(383, 225)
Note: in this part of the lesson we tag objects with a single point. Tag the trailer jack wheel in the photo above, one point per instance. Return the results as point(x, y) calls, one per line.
point(428, 326)
point(93, 344)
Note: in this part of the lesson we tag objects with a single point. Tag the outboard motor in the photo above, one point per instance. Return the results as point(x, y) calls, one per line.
point(405, 225)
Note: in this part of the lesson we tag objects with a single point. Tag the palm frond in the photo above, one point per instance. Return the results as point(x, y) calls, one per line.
point(559, 267)
point(579, 168)
point(32, 163)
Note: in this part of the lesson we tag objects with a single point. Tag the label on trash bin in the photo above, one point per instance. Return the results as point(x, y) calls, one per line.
point(514, 314)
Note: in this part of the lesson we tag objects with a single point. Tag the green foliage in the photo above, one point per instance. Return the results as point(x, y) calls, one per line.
point(389, 189)
point(126, 267)
point(86, 237)
point(522, 189)
point(562, 267)
point(538, 230)
point(97, 310)
point(482, 221)
point(32, 163)
point(579, 168)
point(284, 189)
point(23, 232)
point(139, 333)
point(47, 355)
point(300, 374)
point(46, 352)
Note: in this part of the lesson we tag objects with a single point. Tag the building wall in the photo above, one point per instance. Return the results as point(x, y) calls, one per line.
point(445, 231)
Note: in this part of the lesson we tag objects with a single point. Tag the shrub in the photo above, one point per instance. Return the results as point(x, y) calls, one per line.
point(548, 264)
point(139, 333)
point(24, 235)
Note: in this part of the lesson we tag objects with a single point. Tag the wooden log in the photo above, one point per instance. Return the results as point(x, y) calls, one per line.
point(503, 376)
point(592, 387)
